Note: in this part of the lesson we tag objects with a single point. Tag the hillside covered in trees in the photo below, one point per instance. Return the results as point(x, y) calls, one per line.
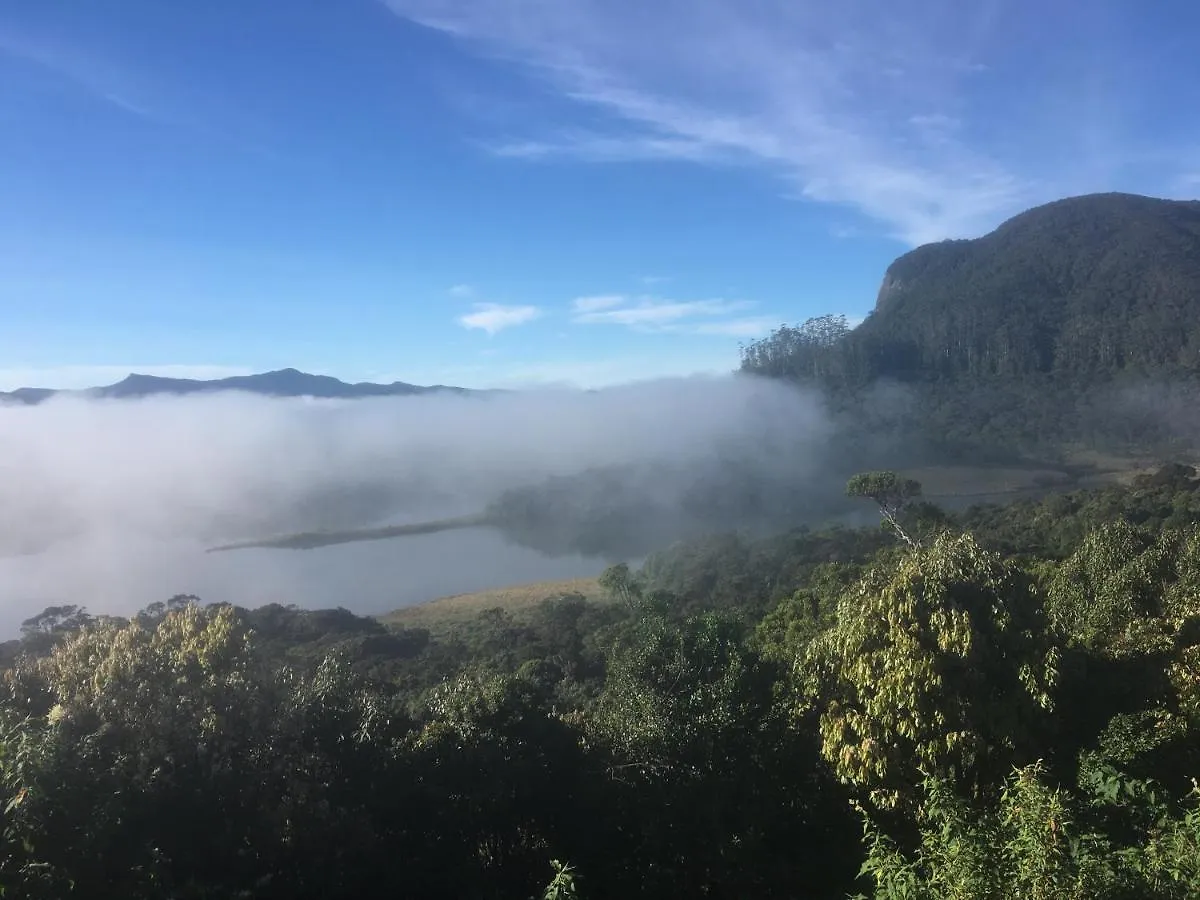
point(1007, 700)
point(1077, 322)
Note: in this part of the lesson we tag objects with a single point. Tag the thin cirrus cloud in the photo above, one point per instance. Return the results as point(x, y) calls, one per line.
point(926, 117)
point(652, 314)
point(495, 317)
point(597, 304)
point(96, 76)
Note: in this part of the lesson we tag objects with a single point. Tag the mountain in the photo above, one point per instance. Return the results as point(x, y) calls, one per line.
point(281, 383)
point(1076, 322)
point(1084, 287)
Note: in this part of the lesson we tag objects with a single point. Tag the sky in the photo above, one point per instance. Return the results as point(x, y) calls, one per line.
point(522, 192)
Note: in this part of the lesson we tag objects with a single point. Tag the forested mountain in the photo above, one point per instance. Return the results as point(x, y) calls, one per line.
point(1031, 334)
point(1085, 286)
point(280, 383)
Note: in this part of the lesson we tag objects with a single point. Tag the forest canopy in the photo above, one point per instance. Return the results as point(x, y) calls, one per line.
point(1007, 707)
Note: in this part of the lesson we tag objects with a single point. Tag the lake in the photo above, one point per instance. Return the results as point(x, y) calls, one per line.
point(118, 574)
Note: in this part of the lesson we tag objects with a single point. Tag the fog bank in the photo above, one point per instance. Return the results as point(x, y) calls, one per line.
point(110, 503)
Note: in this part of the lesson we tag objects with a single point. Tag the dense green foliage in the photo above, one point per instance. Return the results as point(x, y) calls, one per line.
point(1008, 706)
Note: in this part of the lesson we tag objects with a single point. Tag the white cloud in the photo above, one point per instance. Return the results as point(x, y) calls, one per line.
point(892, 109)
point(939, 121)
point(461, 291)
point(74, 377)
point(650, 313)
point(494, 317)
point(801, 88)
point(595, 304)
point(592, 147)
point(653, 314)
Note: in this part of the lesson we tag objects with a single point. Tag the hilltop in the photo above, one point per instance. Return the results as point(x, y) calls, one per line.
point(280, 383)
point(1074, 323)
point(1087, 286)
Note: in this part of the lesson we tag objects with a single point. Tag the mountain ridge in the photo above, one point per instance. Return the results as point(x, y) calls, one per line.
point(1085, 285)
point(278, 383)
point(1073, 324)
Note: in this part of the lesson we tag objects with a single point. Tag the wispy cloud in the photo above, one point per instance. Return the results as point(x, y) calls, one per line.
point(591, 147)
point(701, 317)
point(893, 109)
point(591, 305)
point(128, 87)
point(648, 311)
point(461, 291)
point(494, 317)
point(96, 76)
point(651, 280)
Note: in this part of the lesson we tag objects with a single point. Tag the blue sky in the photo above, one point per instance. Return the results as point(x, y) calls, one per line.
point(506, 192)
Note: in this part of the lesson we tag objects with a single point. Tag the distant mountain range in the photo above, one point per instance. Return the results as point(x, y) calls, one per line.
point(281, 383)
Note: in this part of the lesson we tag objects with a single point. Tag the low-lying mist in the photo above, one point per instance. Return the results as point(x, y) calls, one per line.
point(110, 504)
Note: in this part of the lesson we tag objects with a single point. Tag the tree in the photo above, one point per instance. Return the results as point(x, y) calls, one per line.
point(891, 493)
point(935, 665)
point(1126, 605)
point(620, 584)
point(704, 764)
point(499, 777)
point(55, 620)
point(132, 722)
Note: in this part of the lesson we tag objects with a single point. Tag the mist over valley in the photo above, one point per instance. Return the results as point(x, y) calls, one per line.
point(116, 501)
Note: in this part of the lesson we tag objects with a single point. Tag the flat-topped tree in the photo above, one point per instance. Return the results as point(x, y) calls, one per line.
point(891, 493)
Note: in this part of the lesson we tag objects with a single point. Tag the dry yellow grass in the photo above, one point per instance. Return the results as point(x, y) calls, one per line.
point(516, 599)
